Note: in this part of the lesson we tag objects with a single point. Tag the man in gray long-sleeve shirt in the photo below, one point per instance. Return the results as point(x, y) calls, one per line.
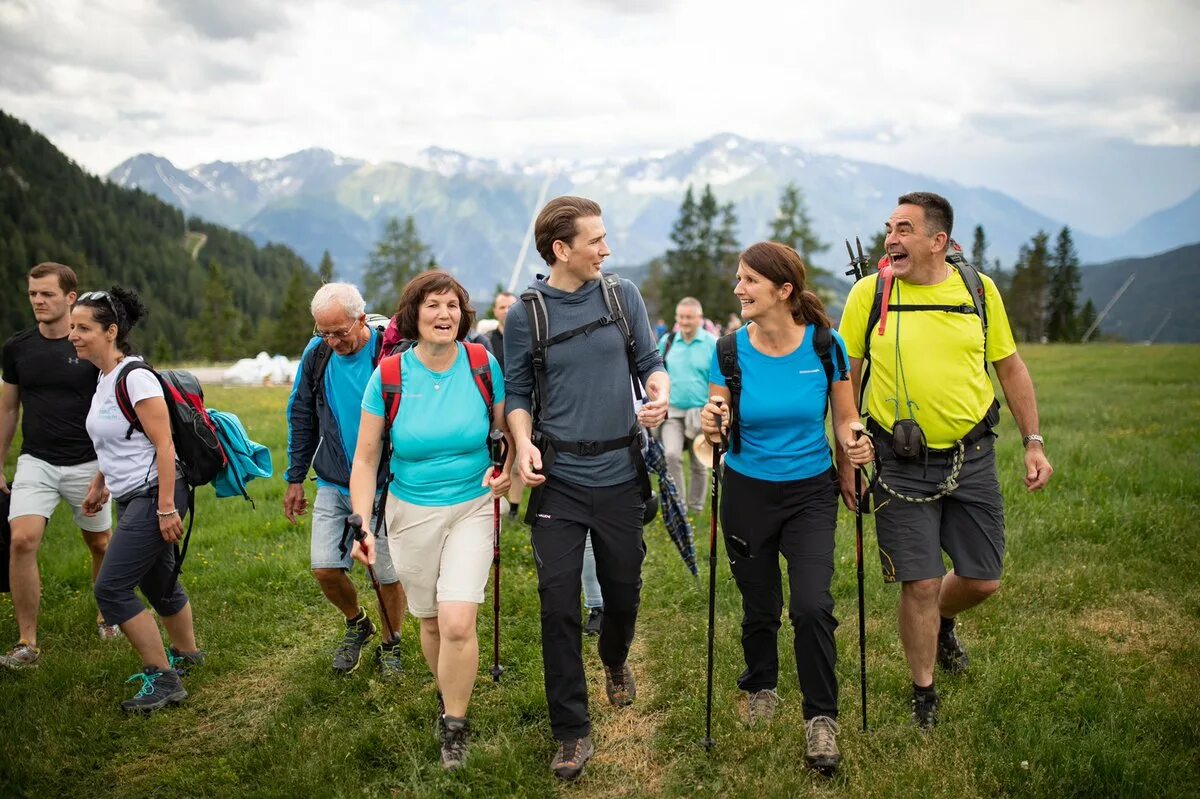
point(587, 476)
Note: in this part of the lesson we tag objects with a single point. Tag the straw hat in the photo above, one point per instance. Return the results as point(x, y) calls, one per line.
point(703, 451)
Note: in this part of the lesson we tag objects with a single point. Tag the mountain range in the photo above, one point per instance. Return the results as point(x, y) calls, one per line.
point(475, 212)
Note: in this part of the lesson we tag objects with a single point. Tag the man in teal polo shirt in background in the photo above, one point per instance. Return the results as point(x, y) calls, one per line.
point(687, 352)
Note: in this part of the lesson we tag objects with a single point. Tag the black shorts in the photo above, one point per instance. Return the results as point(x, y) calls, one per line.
point(968, 524)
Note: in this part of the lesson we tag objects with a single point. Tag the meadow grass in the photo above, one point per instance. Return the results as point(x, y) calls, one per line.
point(1084, 679)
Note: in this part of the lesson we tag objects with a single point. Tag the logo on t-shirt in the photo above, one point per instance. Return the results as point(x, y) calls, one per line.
point(72, 360)
point(809, 371)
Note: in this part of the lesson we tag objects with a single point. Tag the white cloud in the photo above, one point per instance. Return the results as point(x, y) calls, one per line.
point(930, 83)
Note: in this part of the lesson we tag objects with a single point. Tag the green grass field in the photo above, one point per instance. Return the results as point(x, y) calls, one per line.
point(1085, 677)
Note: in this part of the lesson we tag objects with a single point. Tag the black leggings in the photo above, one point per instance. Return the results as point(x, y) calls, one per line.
point(762, 520)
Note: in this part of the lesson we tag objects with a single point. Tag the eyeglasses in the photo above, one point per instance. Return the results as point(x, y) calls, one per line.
point(96, 296)
point(337, 333)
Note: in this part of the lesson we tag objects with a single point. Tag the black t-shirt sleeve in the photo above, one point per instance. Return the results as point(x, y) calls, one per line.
point(9, 364)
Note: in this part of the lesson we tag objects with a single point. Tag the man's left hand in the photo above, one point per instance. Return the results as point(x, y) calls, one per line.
point(1037, 468)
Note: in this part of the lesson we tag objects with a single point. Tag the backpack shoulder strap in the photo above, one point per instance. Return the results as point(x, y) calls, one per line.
point(974, 283)
point(822, 344)
point(611, 284)
point(320, 357)
point(727, 362)
point(122, 391)
point(539, 329)
point(389, 380)
point(481, 371)
point(670, 343)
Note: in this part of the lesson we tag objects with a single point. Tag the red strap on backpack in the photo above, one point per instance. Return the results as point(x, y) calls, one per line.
point(886, 275)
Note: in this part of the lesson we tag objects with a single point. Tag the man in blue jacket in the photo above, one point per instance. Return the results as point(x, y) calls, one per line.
point(572, 416)
point(323, 415)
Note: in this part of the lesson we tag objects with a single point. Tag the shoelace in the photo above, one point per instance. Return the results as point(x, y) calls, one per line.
point(147, 683)
point(824, 731)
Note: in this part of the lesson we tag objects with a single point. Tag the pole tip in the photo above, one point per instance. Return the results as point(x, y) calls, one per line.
point(708, 744)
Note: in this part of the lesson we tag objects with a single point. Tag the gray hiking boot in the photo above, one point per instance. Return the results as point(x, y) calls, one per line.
point(456, 735)
point(572, 757)
point(760, 707)
point(387, 658)
point(820, 750)
point(619, 685)
point(345, 657)
point(595, 621)
point(21, 656)
point(925, 710)
point(159, 689)
point(950, 653)
point(184, 662)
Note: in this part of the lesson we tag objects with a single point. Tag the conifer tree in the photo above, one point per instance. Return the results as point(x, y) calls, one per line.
point(216, 332)
point(293, 328)
point(793, 226)
point(704, 259)
point(1061, 324)
point(979, 249)
point(1087, 318)
point(398, 257)
point(1027, 300)
point(325, 270)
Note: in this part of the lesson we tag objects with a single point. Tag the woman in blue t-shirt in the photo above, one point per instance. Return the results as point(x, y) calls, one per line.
point(439, 503)
point(780, 490)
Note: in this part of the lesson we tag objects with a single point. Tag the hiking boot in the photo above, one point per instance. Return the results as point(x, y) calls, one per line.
point(345, 657)
point(21, 656)
point(572, 757)
point(594, 621)
point(925, 709)
point(159, 689)
point(820, 749)
point(950, 653)
point(184, 662)
point(760, 706)
point(387, 658)
point(456, 734)
point(108, 632)
point(620, 685)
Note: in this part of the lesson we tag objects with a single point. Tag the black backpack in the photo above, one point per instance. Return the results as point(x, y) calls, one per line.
point(539, 325)
point(727, 360)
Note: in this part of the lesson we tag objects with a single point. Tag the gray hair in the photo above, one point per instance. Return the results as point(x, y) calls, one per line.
point(690, 302)
point(340, 295)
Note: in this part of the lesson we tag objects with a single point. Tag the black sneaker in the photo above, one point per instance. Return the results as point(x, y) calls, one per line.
point(456, 735)
point(159, 689)
point(620, 685)
point(950, 653)
point(387, 658)
point(925, 709)
point(595, 620)
point(572, 757)
point(345, 657)
point(184, 662)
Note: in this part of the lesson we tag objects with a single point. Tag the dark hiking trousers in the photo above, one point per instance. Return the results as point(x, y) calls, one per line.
point(613, 515)
point(761, 521)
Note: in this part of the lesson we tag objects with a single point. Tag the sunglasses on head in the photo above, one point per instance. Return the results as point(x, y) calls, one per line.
point(96, 296)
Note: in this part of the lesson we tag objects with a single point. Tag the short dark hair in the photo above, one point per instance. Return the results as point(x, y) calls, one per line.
point(67, 280)
point(435, 281)
point(556, 222)
point(939, 215)
point(781, 264)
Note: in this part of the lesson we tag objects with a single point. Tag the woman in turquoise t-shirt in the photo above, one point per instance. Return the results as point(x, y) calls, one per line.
point(439, 508)
point(780, 490)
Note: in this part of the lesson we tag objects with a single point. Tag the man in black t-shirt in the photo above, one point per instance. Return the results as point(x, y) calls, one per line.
point(44, 376)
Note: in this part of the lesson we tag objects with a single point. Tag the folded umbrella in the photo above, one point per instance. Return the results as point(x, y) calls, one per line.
point(673, 511)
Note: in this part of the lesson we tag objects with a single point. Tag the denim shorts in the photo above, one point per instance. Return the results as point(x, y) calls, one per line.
point(328, 525)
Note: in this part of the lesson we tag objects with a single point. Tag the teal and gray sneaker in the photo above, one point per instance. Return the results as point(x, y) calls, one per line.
point(159, 689)
point(387, 658)
point(21, 656)
point(358, 632)
point(184, 662)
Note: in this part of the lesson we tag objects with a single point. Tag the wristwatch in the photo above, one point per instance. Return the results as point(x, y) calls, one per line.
point(1032, 437)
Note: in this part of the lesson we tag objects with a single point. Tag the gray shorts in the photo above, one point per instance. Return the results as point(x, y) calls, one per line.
point(328, 524)
point(968, 524)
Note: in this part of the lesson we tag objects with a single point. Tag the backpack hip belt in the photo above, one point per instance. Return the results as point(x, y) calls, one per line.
point(972, 437)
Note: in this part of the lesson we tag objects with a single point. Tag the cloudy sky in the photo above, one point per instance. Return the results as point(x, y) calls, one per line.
point(1087, 111)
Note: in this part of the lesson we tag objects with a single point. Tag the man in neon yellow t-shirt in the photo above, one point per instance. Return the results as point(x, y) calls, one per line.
point(927, 370)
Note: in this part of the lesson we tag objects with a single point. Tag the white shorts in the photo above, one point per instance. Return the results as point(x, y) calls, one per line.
point(440, 554)
point(38, 486)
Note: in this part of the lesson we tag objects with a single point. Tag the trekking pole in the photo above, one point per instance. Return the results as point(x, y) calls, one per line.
point(498, 449)
point(712, 587)
point(862, 605)
point(355, 523)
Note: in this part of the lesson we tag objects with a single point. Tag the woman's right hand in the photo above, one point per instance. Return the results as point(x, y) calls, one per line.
point(93, 503)
point(714, 419)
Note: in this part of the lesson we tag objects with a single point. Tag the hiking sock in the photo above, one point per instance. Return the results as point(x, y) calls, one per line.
point(514, 510)
point(947, 625)
point(357, 620)
point(928, 690)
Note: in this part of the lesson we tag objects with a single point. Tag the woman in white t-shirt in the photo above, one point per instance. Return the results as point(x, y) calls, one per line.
point(139, 470)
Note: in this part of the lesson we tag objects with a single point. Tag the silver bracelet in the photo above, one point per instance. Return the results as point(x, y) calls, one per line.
point(162, 515)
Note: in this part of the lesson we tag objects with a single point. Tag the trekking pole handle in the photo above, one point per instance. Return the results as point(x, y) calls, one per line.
point(356, 525)
point(498, 450)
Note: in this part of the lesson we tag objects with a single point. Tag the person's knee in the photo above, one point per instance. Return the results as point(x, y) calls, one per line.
point(980, 589)
point(97, 543)
point(27, 534)
point(805, 609)
point(922, 592)
point(457, 628)
point(331, 578)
